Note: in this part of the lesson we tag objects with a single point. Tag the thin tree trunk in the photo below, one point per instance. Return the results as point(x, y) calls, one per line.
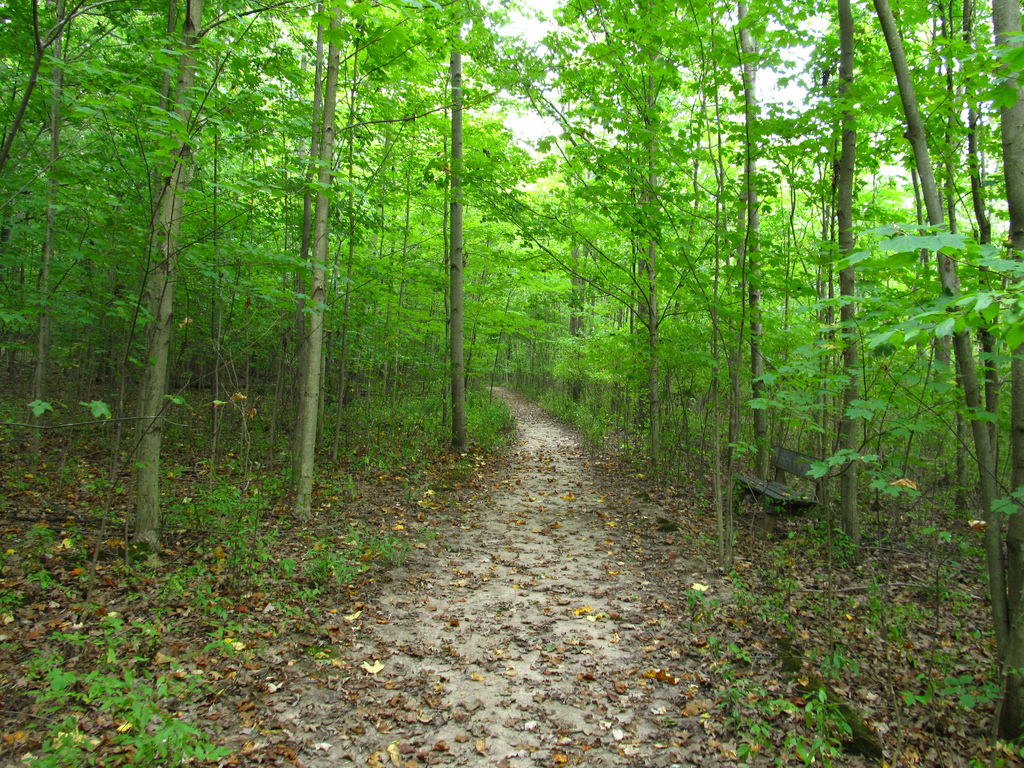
point(458, 382)
point(158, 295)
point(40, 373)
point(651, 269)
point(1006, 22)
point(752, 242)
point(848, 511)
point(962, 345)
point(308, 406)
point(343, 353)
point(302, 328)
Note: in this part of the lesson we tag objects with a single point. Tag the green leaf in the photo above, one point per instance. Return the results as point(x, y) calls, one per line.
point(945, 328)
point(98, 408)
point(1014, 335)
point(39, 407)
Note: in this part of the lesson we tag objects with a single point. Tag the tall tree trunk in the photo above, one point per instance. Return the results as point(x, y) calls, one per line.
point(651, 269)
point(301, 322)
point(752, 241)
point(308, 405)
point(457, 263)
point(158, 295)
point(343, 353)
point(848, 511)
point(1006, 22)
point(41, 371)
point(962, 344)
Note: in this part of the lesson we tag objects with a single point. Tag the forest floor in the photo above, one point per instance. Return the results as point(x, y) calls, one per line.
point(544, 606)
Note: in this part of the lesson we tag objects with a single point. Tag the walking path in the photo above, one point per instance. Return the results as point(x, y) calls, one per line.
point(527, 636)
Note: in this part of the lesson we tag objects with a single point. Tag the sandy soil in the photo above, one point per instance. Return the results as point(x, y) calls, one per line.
point(523, 635)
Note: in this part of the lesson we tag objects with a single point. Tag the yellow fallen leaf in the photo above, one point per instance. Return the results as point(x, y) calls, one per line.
point(394, 754)
point(569, 497)
point(476, 676)
point(353, 616)
point(481, 746)
point(583, 609)
point(700, 587)
point(374, 668)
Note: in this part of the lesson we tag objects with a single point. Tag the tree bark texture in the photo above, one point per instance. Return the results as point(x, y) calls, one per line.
point(458, 371)
point(1006, 22)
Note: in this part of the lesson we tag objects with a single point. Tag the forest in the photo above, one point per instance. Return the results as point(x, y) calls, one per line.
point(270, 270)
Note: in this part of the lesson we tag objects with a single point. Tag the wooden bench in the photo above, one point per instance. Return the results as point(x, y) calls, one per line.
point(776, 498)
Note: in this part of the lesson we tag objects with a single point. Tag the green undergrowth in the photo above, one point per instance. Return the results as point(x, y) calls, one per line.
point(902, 638)
point(115, 665)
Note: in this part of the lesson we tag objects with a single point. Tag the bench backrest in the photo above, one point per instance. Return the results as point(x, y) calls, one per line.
point(793, 462)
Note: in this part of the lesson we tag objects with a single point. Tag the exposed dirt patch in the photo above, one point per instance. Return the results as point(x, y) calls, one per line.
point(520, 637)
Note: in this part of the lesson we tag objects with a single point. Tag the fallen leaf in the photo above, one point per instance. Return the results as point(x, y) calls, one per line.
point(481, 746)
point(393, 753)
point(441, 746)
point(374, 668)
point(477, 677)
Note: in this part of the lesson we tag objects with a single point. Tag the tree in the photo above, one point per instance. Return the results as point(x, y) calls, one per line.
point(457, 262)
point(848, 510)
point(161, 281)
point(995, 556)
point(1006, 22)
point(313, 360)
point(751, 246)
point(41, 372)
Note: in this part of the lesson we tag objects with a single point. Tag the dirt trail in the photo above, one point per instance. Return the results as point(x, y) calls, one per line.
point(521, 637)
